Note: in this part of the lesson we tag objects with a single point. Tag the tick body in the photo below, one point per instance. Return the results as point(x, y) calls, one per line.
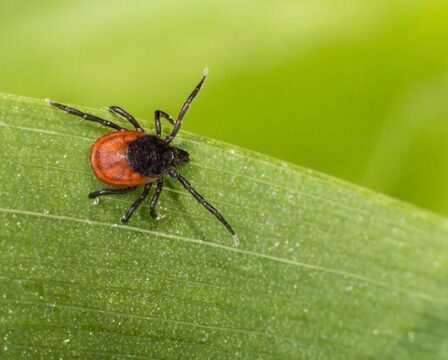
point(110, 163)
point(127, 159)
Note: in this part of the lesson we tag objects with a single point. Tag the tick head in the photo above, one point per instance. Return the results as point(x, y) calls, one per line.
point(181, 157)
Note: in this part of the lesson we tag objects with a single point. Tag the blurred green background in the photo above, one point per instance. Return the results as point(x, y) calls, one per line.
point(356, 89)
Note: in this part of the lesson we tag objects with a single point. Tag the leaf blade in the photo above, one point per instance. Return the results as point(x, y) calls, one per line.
point(325, 268)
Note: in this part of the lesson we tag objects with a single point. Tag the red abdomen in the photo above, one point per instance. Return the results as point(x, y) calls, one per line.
point(109, 161)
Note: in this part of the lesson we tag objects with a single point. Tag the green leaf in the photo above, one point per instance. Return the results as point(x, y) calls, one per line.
point(325, 269)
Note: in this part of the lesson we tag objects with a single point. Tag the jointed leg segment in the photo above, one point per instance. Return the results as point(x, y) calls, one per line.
point(158, 115)
point(104, 192)
point(155, 199)
point(124, 114)
point(136, 203)
point(185, 107)
point(201, 200)
point(87, 117)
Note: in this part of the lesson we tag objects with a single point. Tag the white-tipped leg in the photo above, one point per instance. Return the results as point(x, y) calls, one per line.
point(187, 186)
point(236, 240)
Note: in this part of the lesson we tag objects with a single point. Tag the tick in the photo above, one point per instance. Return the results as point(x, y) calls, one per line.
point(127, 159)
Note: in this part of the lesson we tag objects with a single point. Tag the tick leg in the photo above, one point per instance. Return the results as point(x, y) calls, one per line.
point(136, 204)
point(87, 117)
point(124, 114)
point(104, 192)
point(158, 115)
point(155, 199)
point(185, 107)
point(201, 200)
